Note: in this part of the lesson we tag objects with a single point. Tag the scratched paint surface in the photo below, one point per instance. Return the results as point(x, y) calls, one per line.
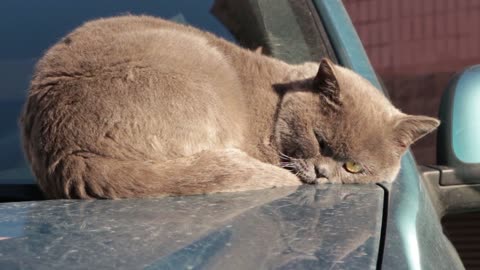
point(323, 227)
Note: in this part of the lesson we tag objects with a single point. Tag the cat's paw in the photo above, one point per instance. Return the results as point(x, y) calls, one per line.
point(281, 177)
point(322, 180)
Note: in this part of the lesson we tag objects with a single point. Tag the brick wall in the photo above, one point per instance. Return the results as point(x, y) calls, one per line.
point(416, 46)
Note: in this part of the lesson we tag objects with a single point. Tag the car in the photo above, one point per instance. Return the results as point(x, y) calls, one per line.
point(368, 226)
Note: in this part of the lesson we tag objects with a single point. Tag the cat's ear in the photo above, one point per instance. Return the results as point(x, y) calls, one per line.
point(326, 80)
point(409, 128)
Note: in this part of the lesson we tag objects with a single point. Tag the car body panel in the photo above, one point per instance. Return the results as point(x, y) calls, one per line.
point(323, 227)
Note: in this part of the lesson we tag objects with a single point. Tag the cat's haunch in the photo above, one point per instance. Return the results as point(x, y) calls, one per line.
point(137, 106)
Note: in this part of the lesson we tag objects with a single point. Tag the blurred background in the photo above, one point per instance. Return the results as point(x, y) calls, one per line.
point(416, 47)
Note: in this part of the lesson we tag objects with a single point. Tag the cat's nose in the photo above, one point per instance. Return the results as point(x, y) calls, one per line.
point(321, 172)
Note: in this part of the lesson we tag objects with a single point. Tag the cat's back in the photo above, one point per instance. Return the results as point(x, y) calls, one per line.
point(128, 41)
point(152, 84)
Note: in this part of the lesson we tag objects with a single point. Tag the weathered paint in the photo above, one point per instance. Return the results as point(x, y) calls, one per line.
point(323, 227)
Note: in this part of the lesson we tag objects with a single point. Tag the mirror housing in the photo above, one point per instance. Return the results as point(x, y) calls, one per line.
point(458, 141)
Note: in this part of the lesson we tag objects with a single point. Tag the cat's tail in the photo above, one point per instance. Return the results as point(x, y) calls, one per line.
point(92, 176)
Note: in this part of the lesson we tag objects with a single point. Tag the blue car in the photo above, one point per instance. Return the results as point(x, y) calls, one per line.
point(371, 226)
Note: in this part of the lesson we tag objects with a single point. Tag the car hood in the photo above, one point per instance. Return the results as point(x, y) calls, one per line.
point(324, 227)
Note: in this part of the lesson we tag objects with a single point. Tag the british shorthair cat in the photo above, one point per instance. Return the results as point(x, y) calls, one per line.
point(136, 106)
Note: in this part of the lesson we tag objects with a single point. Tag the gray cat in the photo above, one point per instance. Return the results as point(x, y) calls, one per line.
point(138, 106)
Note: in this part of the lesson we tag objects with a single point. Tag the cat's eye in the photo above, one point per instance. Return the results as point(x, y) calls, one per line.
point(353, 167)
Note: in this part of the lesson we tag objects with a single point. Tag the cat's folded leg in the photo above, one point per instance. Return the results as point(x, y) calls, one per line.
point(227, 170)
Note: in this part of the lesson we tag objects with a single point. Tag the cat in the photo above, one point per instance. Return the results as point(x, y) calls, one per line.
point(137, 106)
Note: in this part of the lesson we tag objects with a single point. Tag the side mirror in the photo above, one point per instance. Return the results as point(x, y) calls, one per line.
point(458, 142)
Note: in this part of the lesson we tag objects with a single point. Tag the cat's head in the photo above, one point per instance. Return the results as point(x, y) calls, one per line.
point(338, 126)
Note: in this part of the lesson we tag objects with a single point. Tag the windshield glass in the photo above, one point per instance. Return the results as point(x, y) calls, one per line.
point(30, 27)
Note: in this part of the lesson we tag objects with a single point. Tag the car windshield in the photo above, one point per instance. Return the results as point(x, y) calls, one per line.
point(31, 27)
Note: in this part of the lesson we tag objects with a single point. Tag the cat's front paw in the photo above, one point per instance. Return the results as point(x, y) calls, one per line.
point(281, 177)
point(322, 180)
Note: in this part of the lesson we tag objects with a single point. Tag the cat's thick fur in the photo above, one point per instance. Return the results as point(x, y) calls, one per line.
point(139, 106)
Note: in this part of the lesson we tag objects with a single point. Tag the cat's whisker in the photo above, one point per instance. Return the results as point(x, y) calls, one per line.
point(284, 156)
point(289, 166)
point(286, 163)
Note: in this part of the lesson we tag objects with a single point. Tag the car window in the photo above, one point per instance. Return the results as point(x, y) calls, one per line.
point(30, 27)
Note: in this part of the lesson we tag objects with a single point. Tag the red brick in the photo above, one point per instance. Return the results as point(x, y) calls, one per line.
point(403, 57)
point(438, 6)
point(452, 48)
point(370, 35)
point(385, 57)
point(474, 38)
point(474, 3)
point(463, 48)
point(417, 8)
point(430, 7)
point(395, 20)
point(384, 9)
point(373, 10)
point(473, 20)
point(441, 47)
point(385, 32)
point(375, 56)
point(362, 30)
point(476, 45)
point(452, 5)
point(363, 11)
point(405, 33)
point(439, 26)
point(401, 8)
point(409, 51)
point(430, 53)
point(446, 5)
point(422, 50)
point(405, 8)
point(418, 28)
point(462, 22)
point(451, 24)
point(463, 4)
point(376, 32)
point(429, 25)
